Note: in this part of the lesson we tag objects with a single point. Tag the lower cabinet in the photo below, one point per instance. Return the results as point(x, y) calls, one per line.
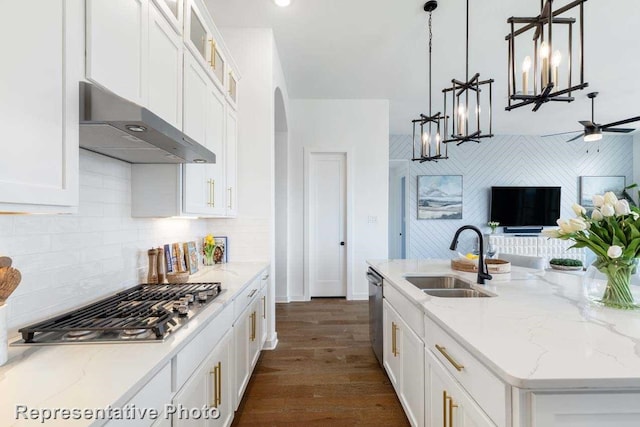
point(448, 404)
point(247, 346)
point(605, 409)
point(403, 360)
point(210, 386)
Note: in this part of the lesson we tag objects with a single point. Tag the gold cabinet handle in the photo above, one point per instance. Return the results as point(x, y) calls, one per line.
point(264, 307)
point(451, 360)
point(253, 292)
point(213, 54)
point(213, 193)
point(254, 326)
point(451, 406)
point(444, 408)
point(219, 384)
point(214, 372)
point(394, 339)
point(230, 193)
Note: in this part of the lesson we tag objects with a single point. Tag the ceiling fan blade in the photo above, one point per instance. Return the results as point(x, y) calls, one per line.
point(587, 123)
point(560, 133)
point(622, 122)
point(618, 130)
point(574, 138)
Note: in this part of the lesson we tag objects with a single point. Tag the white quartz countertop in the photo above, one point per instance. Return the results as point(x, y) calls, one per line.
point(539, 332)
point(98, 375)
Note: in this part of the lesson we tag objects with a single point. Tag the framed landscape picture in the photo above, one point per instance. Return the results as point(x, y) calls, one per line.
point(440, 197)
point(592, 185)
point(220, 250)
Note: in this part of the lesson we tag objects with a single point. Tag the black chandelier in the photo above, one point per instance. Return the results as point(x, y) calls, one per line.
point(427, 124)
point(466, 96)
point(548, 28)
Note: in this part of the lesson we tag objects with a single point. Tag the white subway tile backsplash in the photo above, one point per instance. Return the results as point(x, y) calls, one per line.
point(70, 260)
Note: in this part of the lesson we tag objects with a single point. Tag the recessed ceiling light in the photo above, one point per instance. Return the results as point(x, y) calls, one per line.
point(282, 3)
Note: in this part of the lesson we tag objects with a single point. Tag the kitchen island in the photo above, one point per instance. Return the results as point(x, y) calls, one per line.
point(550, 357)
point(98, 376)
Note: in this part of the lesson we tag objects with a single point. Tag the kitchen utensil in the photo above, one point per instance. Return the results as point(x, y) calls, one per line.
point(5, 261)
point(178, 277)
point(161, 266)
point(9, 281)
point(152, 277)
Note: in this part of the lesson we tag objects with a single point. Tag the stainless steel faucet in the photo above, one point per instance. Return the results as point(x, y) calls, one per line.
point(483, 274)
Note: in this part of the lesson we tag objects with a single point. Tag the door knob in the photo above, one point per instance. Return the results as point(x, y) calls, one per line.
point(341, 243)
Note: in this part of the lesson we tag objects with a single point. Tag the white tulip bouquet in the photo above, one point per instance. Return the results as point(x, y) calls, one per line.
point(612, 232)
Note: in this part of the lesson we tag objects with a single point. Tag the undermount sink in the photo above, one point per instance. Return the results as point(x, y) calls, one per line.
point(446, 287)
point(455, 293)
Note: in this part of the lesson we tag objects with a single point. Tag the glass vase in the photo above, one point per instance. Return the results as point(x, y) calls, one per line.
point(613, 283)
point(208, 259)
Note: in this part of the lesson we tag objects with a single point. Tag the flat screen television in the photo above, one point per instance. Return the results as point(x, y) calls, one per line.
point(525, 206)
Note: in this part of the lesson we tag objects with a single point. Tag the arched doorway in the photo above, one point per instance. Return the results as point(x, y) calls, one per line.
point(281, 176)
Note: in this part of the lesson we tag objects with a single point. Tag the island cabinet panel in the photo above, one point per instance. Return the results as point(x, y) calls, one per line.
point(449, 405)
point(403, 361)
point(614, 409)
point(493, 395)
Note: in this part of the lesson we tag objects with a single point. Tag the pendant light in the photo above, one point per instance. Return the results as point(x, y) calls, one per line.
point(428, 126)
point(466, 100)
point(550, 81)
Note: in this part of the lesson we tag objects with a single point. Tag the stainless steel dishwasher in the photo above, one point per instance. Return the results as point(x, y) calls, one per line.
point(375, 312)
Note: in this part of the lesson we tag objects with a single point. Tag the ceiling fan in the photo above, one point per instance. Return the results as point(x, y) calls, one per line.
point(593, 131)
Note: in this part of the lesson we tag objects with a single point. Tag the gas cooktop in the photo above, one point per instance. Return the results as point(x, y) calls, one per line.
point(144, 313)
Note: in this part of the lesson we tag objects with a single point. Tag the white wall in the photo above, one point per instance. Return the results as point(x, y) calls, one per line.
point(362, 128)
point(505, 160)
point(252, 233)
point(69, 260)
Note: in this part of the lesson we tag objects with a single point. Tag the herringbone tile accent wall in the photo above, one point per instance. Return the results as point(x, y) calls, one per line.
point(505, 160)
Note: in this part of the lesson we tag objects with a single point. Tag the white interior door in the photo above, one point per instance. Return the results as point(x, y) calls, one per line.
point(327, 225)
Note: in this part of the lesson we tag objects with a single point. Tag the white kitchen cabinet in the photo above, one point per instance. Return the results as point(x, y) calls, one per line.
point(173, 11)
point(204, 121)
point(247, 337)
point(153, 395)
point(209, 386)
point(116, 40)
point(231, 163)
point(447, 402)
point(403, 360)
point(165, 68)
point(584, 409)
point(40, 105)
point(262, 316)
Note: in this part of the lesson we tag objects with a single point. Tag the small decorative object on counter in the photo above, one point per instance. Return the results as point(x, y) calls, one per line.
point(152, 277)
point(161, 266)
point(207, 249)
point(493, 225)
point(220, 250)
point(178, 277)
point(191, 256)
point(566, 264)
point(167, 258)
point(612, 232)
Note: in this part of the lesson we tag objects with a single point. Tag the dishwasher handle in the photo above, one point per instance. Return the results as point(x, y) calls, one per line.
point(374, 278)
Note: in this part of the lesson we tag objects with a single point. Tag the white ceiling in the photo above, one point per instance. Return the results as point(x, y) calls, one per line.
point(378, 49)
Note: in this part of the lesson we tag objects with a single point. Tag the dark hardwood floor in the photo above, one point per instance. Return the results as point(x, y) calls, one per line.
point(323, 372)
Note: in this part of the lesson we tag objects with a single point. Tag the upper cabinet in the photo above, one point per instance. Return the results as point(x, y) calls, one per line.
point(39, 107)
point(173, 11)
point(117, 34)
point(207, 113)
point(165, 68)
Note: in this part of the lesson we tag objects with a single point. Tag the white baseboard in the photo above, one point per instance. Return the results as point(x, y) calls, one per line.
point(360, 297)
point(272, 343)
point(282, 300)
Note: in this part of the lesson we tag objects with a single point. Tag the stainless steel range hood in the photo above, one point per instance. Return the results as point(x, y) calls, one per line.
point(121, 129)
